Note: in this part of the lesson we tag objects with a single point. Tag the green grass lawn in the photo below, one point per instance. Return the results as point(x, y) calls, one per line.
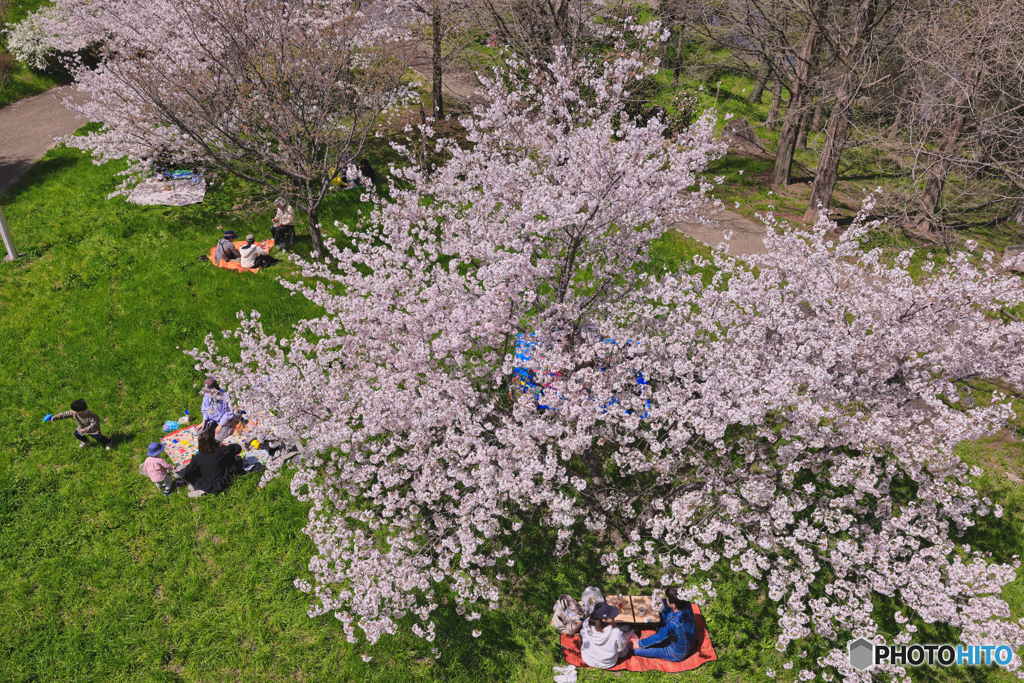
point(105, 579)
point(26, 83)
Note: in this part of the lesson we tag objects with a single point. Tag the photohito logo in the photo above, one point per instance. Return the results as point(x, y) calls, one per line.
point(864, 654)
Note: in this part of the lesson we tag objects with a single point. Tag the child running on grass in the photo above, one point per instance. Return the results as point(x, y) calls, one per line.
point(159, 471)
point(88, 423)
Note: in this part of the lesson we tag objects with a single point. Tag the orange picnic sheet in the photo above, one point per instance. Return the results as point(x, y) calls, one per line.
point(232, 265)
point(703, 652)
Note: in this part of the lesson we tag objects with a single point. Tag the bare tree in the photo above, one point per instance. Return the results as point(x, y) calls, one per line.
point(853, 26)
point(534, 27)
point(778, 42)
point(960, 121)
point(442, 24)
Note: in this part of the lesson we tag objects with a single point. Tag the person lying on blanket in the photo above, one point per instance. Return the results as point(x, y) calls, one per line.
point(676, 638)
point(604, 643)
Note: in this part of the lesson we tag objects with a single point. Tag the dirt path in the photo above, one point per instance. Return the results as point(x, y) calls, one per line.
point(747, 234)
point(28, 128)
point(457, 82)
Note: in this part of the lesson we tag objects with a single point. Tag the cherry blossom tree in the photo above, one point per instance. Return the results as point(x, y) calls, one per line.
point(795, 425)
point(282, 94)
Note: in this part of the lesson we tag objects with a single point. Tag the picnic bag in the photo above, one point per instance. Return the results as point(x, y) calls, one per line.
point(569, 615)
point(591, 596)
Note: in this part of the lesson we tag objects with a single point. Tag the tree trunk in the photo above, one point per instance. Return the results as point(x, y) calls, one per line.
point(758, 92)
point(773, 112)
point(314, 232)
point(894, 131)
point(1017, 214)
point(436, 88)
point(818, 111)
point(827, 173)
point(937, 172)
point(679, 57)
point(805, 123)
point(797, 110)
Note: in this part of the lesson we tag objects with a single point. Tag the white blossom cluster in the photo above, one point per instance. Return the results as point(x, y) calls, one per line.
point(796, 424)
point(29, 41)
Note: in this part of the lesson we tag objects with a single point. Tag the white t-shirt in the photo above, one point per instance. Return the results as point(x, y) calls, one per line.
point(601, 649)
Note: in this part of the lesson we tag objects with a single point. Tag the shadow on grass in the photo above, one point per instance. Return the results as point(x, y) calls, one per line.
point(43, 171)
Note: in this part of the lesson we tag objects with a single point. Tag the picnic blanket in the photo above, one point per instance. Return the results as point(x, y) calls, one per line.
point(234, 265)
point(182, 193)
point(703, 652)
point(180, 446)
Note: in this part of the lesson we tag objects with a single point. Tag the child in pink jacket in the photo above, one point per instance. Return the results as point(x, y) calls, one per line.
point(159, 470)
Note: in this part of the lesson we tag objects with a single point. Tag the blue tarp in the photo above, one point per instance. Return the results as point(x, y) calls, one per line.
point(527, 381)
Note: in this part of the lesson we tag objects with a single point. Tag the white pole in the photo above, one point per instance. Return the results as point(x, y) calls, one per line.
point(12, 253)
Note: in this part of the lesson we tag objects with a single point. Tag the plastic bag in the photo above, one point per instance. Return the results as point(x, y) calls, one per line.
point(569, 615)
point(170, 426)
point(591, 596)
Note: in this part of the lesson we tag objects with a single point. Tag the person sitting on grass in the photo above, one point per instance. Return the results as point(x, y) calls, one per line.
point(253, 255)
point(678, 634)
point(159, 471)
point(604, 643)
point(226, 250)
point(213, 466)
point(284, 222)
point(367, 172)
point(219, 417)
point(87, 421)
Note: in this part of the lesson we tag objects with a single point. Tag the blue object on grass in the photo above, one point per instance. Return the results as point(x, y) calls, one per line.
point(48, 418)
point(170, 426)
point(527, 378)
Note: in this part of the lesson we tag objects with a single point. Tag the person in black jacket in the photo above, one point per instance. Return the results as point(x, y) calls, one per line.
point(214, 466)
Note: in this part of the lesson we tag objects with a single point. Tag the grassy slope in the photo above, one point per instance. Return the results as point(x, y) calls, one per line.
point(105, 579)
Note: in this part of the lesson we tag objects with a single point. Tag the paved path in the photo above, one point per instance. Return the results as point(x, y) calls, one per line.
point(28, 128)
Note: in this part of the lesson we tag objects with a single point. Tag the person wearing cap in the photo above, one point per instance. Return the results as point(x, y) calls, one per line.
point(159, 471)
point(226, 250)
point(604, 643)
point(678, 634)
point(284, 222)
point(218, 416)
point(253, 255)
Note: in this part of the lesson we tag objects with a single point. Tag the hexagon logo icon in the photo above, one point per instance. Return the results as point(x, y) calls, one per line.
point(862, 654)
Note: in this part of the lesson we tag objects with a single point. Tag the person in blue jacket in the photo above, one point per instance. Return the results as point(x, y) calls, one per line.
point(678, 634)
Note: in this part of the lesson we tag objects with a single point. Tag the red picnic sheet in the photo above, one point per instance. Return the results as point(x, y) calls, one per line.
point(234, 265)
point(702, 653)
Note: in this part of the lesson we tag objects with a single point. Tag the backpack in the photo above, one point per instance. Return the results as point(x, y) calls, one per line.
point(569, 615)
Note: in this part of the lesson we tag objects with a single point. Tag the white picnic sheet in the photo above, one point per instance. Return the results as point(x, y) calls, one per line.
point(182, 193)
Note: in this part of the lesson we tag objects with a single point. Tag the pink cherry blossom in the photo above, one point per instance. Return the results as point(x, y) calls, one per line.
point(795, 425)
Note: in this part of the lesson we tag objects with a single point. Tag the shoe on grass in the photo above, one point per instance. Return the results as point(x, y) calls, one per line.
point(108, 448)
point(81, 444)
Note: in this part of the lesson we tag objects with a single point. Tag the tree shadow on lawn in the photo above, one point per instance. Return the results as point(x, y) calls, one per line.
point(520, 629)
point(43, 171)
point(738, 620)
